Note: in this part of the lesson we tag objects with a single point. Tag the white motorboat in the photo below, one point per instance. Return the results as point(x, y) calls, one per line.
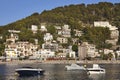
point(74, 67)
point(96, 69)
point(29, 71)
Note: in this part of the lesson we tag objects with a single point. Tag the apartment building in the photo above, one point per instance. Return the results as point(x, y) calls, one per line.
point(44, 54)
point(50, 46)
point(86, 50)
point(21, 49)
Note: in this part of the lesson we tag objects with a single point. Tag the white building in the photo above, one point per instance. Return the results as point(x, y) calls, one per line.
point(1, 37)
point(118, 53)
point(107, 51)
point(61, 55)
point(58, 27)
point(13, 31)
point(105, 24)
point(43, 28)
point(43, 54)
point(48, 37)
point(72, 54)
point(68, 52)
point(36, 41)
point(34, 28)
point(65, 31)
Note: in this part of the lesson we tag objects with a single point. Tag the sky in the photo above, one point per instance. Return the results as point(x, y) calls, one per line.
point(13, 10)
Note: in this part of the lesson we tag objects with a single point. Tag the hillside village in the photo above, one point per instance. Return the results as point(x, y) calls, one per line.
point(63, 47)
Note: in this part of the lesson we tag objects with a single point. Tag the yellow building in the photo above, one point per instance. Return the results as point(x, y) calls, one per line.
point(10, 53)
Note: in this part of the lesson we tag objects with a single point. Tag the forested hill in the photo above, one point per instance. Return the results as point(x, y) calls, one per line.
point(74, 15)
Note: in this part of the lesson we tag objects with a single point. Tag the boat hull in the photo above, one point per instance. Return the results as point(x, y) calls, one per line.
point(30, 72)
point(95, 72)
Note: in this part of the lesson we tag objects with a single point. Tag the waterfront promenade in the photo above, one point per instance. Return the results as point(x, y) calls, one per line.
point(61, 62)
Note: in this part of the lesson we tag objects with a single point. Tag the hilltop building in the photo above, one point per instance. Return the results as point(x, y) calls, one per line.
point(113, 29)
point(34, 28)
point(64, 31)
point(1, 37)
point(43, 28)
point(13, 36)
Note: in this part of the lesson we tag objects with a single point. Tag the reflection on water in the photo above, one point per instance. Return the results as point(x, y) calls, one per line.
point(32, 78)
point(58, 72)
point(97, 76)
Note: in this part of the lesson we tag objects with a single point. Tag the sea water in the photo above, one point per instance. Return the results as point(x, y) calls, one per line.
point(58, 72)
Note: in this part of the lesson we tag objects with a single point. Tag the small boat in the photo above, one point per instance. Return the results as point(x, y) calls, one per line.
point(96, 69)
point(29, 71)
point(74, 67)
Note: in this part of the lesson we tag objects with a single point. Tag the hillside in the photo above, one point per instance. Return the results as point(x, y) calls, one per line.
point(76, 16)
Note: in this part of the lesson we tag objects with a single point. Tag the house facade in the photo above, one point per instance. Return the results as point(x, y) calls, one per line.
point(48, 37)
point(78, 33)
point(50, 46)
point(62, 40)
point(44, 54)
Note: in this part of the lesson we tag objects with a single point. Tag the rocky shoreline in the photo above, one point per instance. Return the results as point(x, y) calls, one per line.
point(61, 62)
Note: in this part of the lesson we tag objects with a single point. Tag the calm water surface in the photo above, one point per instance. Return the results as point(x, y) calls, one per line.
point(58, 72)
